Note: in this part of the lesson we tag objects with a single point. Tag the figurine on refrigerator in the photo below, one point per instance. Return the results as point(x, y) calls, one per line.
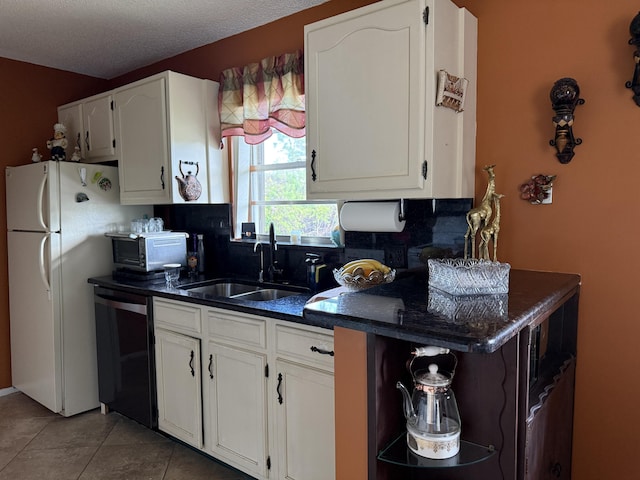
point(58, 143)
point(35, 155)
point(75, 156)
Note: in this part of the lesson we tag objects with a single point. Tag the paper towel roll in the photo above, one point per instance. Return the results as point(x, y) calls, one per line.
point(371, 217)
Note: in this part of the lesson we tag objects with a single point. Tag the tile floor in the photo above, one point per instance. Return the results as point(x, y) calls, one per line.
point(38, 444)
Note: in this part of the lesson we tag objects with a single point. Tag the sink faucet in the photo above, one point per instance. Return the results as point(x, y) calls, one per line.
point(261, 272)
point(273, 270)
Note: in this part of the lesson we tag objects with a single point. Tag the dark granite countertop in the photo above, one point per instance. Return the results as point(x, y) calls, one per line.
point(407, 310)
point(285, 308)
point(404, 309)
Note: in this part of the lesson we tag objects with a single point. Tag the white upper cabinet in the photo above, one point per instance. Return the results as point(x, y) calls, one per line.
point(70, 115)
point(99, 138)
point(89, 125)
point(159, 128)
point(164, 131)
point(373, 128)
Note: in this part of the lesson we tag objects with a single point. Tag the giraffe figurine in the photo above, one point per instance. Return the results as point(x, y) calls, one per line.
point(477, 217)
point(490, 232)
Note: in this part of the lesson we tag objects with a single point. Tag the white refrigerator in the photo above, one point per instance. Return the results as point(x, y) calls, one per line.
point(57, 215)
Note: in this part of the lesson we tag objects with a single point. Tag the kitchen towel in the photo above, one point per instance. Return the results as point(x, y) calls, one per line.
point(371, 217)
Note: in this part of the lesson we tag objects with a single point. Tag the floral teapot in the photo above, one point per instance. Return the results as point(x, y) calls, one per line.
point(188, 185)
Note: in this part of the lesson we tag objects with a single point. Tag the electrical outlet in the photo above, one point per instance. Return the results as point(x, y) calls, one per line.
point(395, 256)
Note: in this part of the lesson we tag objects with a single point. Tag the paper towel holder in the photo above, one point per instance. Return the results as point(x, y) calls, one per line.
point(372, 216)
point(401, 215)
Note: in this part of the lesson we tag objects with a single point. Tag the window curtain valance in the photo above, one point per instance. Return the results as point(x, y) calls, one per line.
point(261, 95)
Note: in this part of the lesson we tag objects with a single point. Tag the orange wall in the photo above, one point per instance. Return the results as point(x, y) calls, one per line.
point(29, 95)
point(524, 47)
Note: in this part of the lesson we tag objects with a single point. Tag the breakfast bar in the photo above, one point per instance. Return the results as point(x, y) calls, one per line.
point(514, 379)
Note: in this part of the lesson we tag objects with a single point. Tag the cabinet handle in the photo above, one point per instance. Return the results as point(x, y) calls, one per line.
point(86, 140)
point(322, 351)
point(278, 388)
point(556, 470)
point(193, 372)
point(313, 165)
point(162, 176)
point(210, 366)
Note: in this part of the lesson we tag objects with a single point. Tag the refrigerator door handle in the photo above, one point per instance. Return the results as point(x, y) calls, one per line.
point(43, 272)
point(43, 183)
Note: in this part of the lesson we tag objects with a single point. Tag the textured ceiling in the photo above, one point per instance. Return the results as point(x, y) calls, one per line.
point(106, 38)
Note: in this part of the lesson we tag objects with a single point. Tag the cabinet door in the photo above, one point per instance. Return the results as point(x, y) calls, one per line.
point(305, 422)
point(71, 117)
point(178, 382)
point(365, 102)
point(237, 403)
point(549, 431)
point(99, 137)
point(143, 152)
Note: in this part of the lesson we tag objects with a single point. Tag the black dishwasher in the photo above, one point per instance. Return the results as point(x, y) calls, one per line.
point(126, 366)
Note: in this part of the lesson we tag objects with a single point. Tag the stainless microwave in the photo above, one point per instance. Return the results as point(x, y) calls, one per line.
point(146, 252)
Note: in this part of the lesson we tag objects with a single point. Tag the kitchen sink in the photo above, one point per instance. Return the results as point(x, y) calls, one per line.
point(223, 289)
point(242, 291)
point(265, 294)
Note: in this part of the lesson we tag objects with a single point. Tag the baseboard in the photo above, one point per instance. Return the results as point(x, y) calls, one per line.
point(7, 391)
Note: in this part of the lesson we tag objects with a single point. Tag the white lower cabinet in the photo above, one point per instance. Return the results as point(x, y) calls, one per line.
point(267, 404)
point(305, 423)
point(236, 404)
point(304, 402)
point(178, 384)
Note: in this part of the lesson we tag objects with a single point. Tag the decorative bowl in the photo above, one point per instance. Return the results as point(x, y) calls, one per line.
point(362, 282)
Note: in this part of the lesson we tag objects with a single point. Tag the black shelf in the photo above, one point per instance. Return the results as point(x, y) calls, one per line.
point(398, 453)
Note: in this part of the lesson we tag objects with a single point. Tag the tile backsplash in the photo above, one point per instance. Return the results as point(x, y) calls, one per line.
point(433, 228)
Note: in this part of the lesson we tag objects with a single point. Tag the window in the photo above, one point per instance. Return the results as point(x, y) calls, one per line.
point(271, 188)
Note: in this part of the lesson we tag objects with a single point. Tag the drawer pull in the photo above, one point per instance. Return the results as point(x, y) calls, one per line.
point(193, 372)
point(211, 366)
point(322, 351)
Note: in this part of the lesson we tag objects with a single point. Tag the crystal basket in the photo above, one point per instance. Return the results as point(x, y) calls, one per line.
point(457, 276)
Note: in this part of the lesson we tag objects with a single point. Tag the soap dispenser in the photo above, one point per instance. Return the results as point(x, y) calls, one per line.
point(314, 267)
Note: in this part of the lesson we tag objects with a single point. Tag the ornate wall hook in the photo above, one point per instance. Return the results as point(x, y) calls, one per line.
point(634, 30)
point(565, 95)
point(537, 190)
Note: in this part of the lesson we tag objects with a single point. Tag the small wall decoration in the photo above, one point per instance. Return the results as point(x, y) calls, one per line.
point(451, 91)
point(565, 96)
point(634, 30)
point(537, 190)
